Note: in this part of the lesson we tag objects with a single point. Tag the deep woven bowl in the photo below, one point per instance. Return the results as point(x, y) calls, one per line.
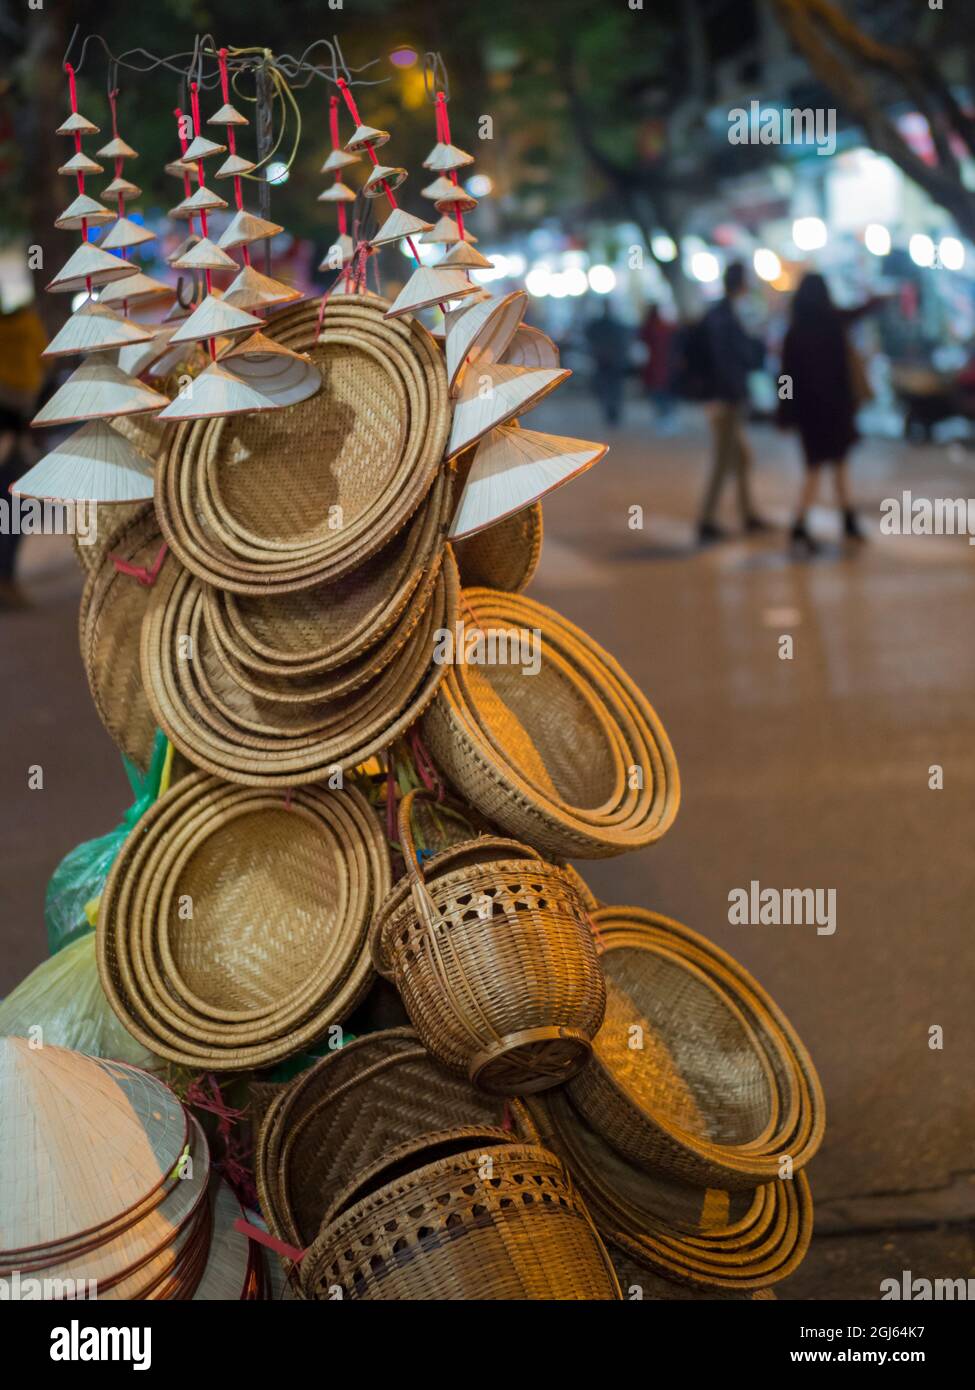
point(504, 556)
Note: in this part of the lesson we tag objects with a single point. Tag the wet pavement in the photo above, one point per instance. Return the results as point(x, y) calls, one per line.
point(810, 772)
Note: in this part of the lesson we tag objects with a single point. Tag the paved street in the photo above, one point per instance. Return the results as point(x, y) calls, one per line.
point(810, 772)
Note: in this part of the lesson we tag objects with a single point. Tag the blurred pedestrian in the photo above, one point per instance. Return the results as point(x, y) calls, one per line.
point(731, 354)
point(22, 340)
point(828, 384)
point(657, 335)
point(608, 340)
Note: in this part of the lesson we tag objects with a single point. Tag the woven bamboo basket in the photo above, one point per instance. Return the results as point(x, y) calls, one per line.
point(721, 1089)
point(350, 1110)
point(639, 1283)
point(504, 556)
point(498, 1223)
point(496, 965)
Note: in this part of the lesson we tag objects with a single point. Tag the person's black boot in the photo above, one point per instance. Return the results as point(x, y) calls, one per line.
point(851, 526)
point(801, 537)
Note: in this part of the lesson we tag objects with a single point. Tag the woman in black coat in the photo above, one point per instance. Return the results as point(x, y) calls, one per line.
point(827, 388)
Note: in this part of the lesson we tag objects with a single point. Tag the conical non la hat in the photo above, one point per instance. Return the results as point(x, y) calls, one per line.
point(338, 159)
point(530, 347)
point(121, 188)
point(83, 211)
point(87, 264)
point(213, 318)
point(338, 192)
point(399, 224)
point(82, 1140)
point(125, 233)
point(200, 147)
point(437, 189)
point(481, 332)
point(464, 254)
point(251, 290)
point(139, 357)
point(244, 228)
point(338, 254)
point(76, 124)
point(427, 286)
point(178, 169)
point(116, 149)
point(214, 392)
point(383, 177)
point(490, 395)
point(456, 199)
point(136, 286)
point(446, 232)
point(227, 115)
point(185, 245)
point(203, 200)
point(514, 468)
point(233, 166)
point(283, 376)
point(97, 390)
point(366, 137)
point(95, 464)
point(94, 328)
point(81, 163)
point(204, 254)
point(444, 157)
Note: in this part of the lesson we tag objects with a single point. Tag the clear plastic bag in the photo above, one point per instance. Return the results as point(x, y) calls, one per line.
point(71, 901)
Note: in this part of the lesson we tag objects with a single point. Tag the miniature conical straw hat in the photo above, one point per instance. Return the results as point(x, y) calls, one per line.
point(93, 328)
point(80, 163)
point(116, 149)
point(464, 254)
point(76, 124)
point(95, 464)
point(125, 233)
point(338, 159)
point(338, 254)
point(491, 395)
point(213, 318)
point(178, 169)
point(382, 177)
point(438, 188)
point(133, 287)
point(234, 165)
point(251, 290)
point(399, 224)
point(97, 390)
point(284, 376)
point(201, 148)
point(446, 232)
point(121, 188)
point(481, 332)
point(244, 228)
point(427, 286)
point(204, 254)
point(185, 245)
point(337, 192)
point(514, 468)
point(366, 137)
point(203, 200)
point(140, 357)
point(81, 211)
point(227, 115)
point(82, 1141)
point(215, 392)
point(454, 200)
point(444, 157)
point(530, 347)
point(88, 264)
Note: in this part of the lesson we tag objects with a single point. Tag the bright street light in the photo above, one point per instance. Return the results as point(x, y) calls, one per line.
point(876, 239)
point(602, 279)
point(809, 233)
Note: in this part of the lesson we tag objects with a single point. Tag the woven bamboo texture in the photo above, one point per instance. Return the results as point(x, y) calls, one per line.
point(504, 556)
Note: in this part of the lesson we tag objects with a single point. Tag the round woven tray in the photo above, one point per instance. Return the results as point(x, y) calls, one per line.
point(722, 1088)
point(504, 556)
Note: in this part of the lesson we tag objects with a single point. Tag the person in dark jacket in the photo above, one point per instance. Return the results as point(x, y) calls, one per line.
point(609, 347)
point(827, 386)
point(732, 355)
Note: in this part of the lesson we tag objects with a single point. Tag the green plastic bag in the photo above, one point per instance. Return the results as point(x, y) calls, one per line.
point(77, 882)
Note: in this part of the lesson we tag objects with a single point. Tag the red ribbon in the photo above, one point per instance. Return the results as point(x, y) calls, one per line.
point(146, 575)
point(262, 1237)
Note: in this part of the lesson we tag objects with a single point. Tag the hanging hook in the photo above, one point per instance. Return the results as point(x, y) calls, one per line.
point(435, 77)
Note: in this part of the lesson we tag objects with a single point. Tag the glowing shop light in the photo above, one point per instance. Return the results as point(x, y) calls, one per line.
point(663, 247)
point(80, 298)
point(876, 239)
point(921, 249)
point(557, 287)
point(428, 254)
point(951, 253)
point(538, 281)
point(809, 233)
point(403, 57)
point(498, 269)
point(767, 264)
point(575, 280)
point(602, 279)
point(479, 185)
point(705, 267)
point(517, 265)
point(277, 172)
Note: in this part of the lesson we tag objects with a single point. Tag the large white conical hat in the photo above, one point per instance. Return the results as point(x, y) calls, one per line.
point(97, 390)
point(244, 227)
point(81, 163)
point(215, 392)
point(83, 210)
point(481, 332)
point(446, 232)
point(88, 264)
point(200, 147)
point(338, 159)
point(94, 328)
point(530, 347)
point(383, 177)
point(427, 286)
point(444, 157)
point(204, 254)
point(284, 376)
point(227, 115)
point(399, 224)
point(490, 395)
point(76, 124)
point(365, 137)
point(141, 356)
point(116, 149)
point(135, 287)
point(466, 255)
point(212, 319)
point(514, 468)
point(234, 165)
point(203, 200)
point(252, 290)
point(125, 233)
point(95, 464)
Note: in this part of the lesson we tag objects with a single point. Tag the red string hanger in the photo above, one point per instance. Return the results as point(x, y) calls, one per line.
point(232, 144)
point(201, 183)
point(384, 183)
